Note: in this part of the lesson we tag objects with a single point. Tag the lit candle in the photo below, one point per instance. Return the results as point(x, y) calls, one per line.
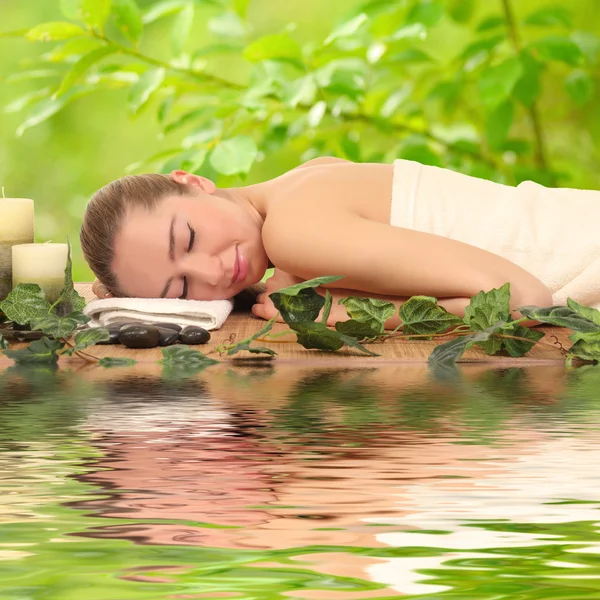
point(16, 227)
point(43, 264)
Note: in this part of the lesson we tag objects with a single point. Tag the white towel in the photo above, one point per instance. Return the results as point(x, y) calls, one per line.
point(550, 232)
point(209, 314)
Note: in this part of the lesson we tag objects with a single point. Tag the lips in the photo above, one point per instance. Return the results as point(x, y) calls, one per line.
point(236, 266)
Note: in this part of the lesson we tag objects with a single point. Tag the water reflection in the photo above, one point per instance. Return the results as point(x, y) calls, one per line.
point(307, 483)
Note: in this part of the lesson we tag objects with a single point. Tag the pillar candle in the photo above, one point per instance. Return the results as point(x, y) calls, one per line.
point(16, 227)
point(43, 264)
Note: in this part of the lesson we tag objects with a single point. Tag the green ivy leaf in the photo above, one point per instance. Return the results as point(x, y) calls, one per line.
point(88, 337)
point(372, 312)
point(109, 362)
point(244, 344)
point(234, 155)
point(301, 307)
point(450, 352)
point(55, 326)
point(562, 316)
point(587, 312)
point(497, 83)
point(558, 48)
point(56, 30)
point(422, 315)
point(180, 354)
point(550, 16)
point(498, 123)
point(580, 86)
point(25, 302)
point(270, 47)
point(81, 66)
point(95, 12)
point(587, 348)
point(518, 348)
point(145, 86)
point(358, 330)
point(68, 300)
point(40, 351)
point(128, 19)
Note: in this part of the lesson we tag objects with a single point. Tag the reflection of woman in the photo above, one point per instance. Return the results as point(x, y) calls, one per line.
point(391, 231)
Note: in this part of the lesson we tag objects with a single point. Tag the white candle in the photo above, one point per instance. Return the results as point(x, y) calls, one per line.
point(43, 264)
point(16, 227)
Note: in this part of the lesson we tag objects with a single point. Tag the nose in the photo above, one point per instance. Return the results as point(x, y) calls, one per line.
point(206, 269)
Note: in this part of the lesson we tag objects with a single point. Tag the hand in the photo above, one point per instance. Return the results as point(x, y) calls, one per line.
point(264, 307)
point(100, 289)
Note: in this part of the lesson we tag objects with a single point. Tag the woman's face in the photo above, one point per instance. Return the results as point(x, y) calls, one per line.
point(188, 247)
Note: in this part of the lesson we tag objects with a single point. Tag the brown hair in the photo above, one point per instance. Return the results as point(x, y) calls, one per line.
point(105, 213)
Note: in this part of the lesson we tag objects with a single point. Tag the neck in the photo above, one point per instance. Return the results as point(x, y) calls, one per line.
point(249, 197)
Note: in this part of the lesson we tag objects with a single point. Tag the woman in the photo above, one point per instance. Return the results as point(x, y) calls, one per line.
point(392, 232)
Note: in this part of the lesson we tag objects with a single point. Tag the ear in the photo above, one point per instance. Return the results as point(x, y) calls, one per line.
point(206, 185)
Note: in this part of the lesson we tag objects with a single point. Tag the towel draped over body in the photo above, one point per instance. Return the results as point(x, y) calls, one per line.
point(551, 232)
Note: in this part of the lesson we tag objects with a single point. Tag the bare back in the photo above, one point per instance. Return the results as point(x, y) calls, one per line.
point(362, 189)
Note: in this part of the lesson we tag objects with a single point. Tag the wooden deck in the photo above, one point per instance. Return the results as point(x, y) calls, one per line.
point(243, 325)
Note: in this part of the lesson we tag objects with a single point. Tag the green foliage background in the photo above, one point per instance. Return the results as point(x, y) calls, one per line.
point(241, 90)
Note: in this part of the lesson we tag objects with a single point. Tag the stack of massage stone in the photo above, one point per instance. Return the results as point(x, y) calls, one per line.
point(144, 335)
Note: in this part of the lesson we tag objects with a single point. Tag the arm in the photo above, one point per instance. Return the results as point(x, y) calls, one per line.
point(377, 258)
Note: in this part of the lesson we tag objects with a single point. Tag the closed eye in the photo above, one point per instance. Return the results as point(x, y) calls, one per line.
point(192, 237)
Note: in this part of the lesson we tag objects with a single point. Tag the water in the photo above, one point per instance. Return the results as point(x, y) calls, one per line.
point(296, 482)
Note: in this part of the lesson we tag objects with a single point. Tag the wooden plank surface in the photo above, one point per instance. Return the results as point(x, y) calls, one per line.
point(242, 325)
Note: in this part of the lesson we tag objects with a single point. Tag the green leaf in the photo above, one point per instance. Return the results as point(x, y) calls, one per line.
point(421, 315)
point(235, 155)
point(580, 86)
point(302, 307)
point(450, 352)
point(528, 88)
point(227, 24)
point(370, 311)
point(427, 12)
point(587, 348)
point(498, 123)
point(550, 15)
point(316, 113)
point(69, 50)
point(497, 83)
point(490, 23)
point(15, 33)
point(419, 152)
point(461, 10)
point(318, 336)
point(189, 161)
point(415, 31)
point(357, 330)
point(484, 45)
point(43, 110)
point(145, 86)
point(347, 29)
point(55, 326)
point(88, 337)
point(269, 47)
point(558, 48)
point(56, 30)
point(181, 354)
point(327, 307)
point(25, 302)
point(40, 351)
point(206, 133)
point(244, 344)
point(518, 348)
point(68, 300)
point(162, 9)
point(95, 12)
point(71, 9)
point(300, 91)
point(109, 362)
point(128, 19)
point(27, 99)
point(81, 66)
point(563, 316)
point(294, 290)
point(587, 312)
point(182, 25)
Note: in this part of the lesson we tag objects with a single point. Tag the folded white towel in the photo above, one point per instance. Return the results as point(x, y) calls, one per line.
point(209, 314)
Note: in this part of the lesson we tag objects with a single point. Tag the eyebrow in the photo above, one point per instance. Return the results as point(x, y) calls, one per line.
point(171, 254)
